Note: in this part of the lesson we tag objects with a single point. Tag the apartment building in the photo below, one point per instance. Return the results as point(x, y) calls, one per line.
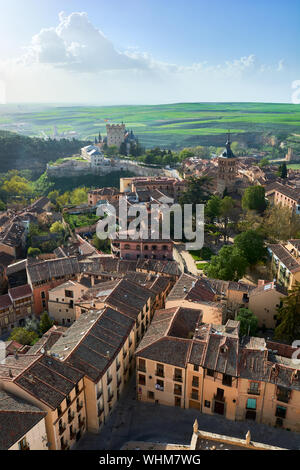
point(62, 299)
point(45, 275)
point(171, 187)
point(284, 195)
point(22, 425)
point(285, 262)
point(55, 388)
point(184, 362)
point(15, 307)
point(103, 194)
point(145, 248)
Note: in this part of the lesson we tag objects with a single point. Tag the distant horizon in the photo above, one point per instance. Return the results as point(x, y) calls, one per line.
point(66, 103)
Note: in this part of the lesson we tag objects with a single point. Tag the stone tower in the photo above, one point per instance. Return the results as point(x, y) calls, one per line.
point(226, 169)
point(115, 134)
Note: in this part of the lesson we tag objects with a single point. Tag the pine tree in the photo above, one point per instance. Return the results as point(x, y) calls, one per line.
point(289, 316)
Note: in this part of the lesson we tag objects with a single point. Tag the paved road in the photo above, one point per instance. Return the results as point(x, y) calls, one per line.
point(136, 421)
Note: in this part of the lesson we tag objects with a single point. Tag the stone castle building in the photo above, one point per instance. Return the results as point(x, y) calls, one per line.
point(227, 169)
point(115, 134)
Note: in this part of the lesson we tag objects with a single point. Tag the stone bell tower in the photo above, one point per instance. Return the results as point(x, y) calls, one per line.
point(226, 169)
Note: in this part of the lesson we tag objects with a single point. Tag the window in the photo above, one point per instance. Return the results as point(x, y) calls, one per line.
point(159, 385)
point(283, 394)
point(253, 389)
point(251, 404)
point(160, 370)
point(210, 372)
point(280, 412)
point(207, 404)
point(177, 389)
point(196, 368)
point(142, 379)
point(151, 395)
point(227, 380)
point(194, 394)
point(142, 365)
point(178, 375)
point(69, 293)
point(43, 295)
point(195, 382)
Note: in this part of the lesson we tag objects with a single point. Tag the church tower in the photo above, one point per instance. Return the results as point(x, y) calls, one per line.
point(226, 169)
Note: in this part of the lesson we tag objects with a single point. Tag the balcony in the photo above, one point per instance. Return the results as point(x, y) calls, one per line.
point(285, 398)
point(159, 373)
point(81, 422)
point(61, 429)
point(79, 406)
point(177, 378)
point(99, 394)
point(219, 397)
point(109, 379)
point(253, 391)
point(110, 397)
point(70, 417)
point(65, 446)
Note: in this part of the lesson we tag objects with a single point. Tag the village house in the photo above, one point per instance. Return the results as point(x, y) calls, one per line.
point(284, 195)
point(62, 299)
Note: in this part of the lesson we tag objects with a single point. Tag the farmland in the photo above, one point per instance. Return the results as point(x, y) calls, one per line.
point(173, 125)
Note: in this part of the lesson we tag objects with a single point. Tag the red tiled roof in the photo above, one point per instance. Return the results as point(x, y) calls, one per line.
point(19, 292)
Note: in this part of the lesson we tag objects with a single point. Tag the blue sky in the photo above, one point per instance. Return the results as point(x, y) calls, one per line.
point(234, 50)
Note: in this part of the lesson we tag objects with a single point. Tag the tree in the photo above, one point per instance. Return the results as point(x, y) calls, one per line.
point(288, 317)
point(23, 336)
point(254, 199)
point(281, 223)
point(229, 264)
point(251, 245)
point(227, 211)
point(196, 192)
point(45, 323)
point(213, 208)
point(53, 195)
point(57, 227)
point(264, 162)
point(248, 322)
point(101, 245)
point(33, 252)
point(282, 171)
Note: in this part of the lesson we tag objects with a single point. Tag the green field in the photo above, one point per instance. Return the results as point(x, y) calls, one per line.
point(174, 125)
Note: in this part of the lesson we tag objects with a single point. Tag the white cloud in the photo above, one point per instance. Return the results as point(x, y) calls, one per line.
point(76, 62)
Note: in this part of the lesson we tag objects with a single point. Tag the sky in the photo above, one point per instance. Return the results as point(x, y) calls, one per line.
point(148, 51)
